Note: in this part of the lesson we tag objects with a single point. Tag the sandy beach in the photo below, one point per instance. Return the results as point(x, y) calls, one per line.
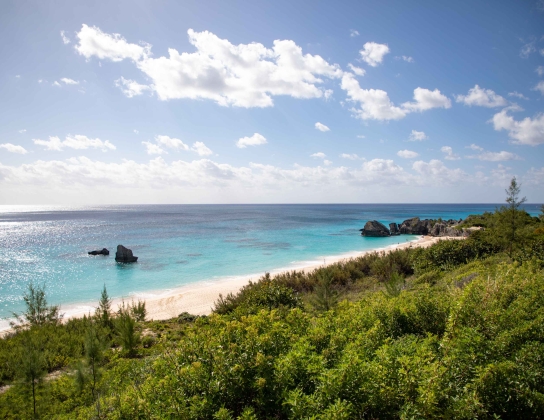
point(198, 298)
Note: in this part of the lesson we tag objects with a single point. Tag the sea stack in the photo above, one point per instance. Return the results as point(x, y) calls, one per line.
point(102, 251)
point(124, 255)
point(375, 228)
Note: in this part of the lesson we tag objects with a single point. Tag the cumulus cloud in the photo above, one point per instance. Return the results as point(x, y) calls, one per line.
point(78, 142)
point(321, 127)
point(540, 87)
point(449, 153)
point(55, 83)
point(131, 88)
point(495, 156)
point(516, 94)
point(65, 39)
point(22, 131)
point(67, 81)
point(407, 154)
point(95, 43)
point(13, 148)
point(255, 140)
point(360, 136)
point(373, 53)
point(200, 149)
point(540, 70)
point(436, 172)
point(481, 97)
point(357, 70)
point(245, 75)
point(171, 143)
point(475, 147)
point(319, 155)
point(417, 136)
point(353, 33)
point(154, 148)
point(425, 99)
point(529, 131)
point(527, 49)
point(351, 156)
point(405, 58)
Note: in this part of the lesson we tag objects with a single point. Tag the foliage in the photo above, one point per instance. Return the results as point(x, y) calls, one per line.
point(37, 310)
point(325, 297)
point(125, 330)
point(103, 311)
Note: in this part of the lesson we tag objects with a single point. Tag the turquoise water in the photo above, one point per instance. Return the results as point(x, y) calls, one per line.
point(181, 244)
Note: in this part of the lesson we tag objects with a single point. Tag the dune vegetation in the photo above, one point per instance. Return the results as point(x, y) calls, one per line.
point(455, 330)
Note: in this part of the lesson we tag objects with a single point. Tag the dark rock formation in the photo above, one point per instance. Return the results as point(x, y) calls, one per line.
point(124, 255)
point(374, 228)
point(415, 226)
point(103, 251)
point(443, 229)
point(394, 228)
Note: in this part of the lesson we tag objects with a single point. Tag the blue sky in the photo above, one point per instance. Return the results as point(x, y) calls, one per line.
point(270, 102)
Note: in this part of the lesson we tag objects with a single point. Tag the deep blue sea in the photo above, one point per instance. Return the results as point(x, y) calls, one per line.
point(181, 244)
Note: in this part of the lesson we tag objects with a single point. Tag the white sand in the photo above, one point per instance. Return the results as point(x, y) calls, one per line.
point(198, 298)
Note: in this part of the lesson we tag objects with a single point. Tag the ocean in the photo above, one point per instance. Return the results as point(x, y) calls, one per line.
point(181, 244)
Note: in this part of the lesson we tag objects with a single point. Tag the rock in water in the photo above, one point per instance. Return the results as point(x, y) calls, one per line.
point(374, 228)
point(103, 251)
point(124, 255)
point(415, 226)
point(394, 228)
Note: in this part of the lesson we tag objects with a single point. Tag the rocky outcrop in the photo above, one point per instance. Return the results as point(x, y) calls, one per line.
point(103, 251)
point(394, 229)
point(375, 229)
point(124, 255)
point(415, 226)
point(442, 229)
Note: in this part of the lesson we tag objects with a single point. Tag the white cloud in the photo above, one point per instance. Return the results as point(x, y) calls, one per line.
point(321, 127)
point(22, 131)
point(426, 99)
point(319, 155)
point(153, 148)
point(14, 148)
point(201, 149)
point(417, 136)
point(131, 88)
point(136, 132)
point(78, 142)
point(40, 80)
point(351, 156)
point(18, 76)
point(171, 143)
point(245, 75)
point(67, 81)
point(375, 103)
point(495, 156)
point(527, 49)
point(255, 140)
point(435, 172)
point(327, 162)
point(540, 70)
point(481, 97)
point(373, 53)
point(449, 153)
point(360, 136)
point(95, 43)
point(65, 39)
point(353, 33)
point(405, 58)
point(407, 154)
point(55, 83)
point(529, 131)
point(540, 87)
point(357, 70)
point(516, 94)
point(475, 147)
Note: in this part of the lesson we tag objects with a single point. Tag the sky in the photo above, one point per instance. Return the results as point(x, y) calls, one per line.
point(113, 102)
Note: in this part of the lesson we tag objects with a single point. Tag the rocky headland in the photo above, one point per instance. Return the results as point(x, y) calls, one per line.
point(416, 226)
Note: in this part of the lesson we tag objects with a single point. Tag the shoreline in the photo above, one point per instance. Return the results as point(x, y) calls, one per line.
point(198, 298)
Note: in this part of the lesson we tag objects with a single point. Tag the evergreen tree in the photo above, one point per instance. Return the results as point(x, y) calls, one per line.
point(512, 216)
point(37, 311)
point(30, 366)
point(103, 312)
point(125, 329)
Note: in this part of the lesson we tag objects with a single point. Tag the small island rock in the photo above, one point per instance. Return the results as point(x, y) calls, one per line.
point(124, 255)
point(103, 251)
point(394, 228)
point(375, 228)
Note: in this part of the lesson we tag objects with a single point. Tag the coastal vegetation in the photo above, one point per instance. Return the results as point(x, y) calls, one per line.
point(455, 330)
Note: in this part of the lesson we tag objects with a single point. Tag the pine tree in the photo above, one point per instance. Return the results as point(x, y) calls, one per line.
point(512, 211)
point(103, 312)
point(31, 364)
point(37, 311)
point(325, 297)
